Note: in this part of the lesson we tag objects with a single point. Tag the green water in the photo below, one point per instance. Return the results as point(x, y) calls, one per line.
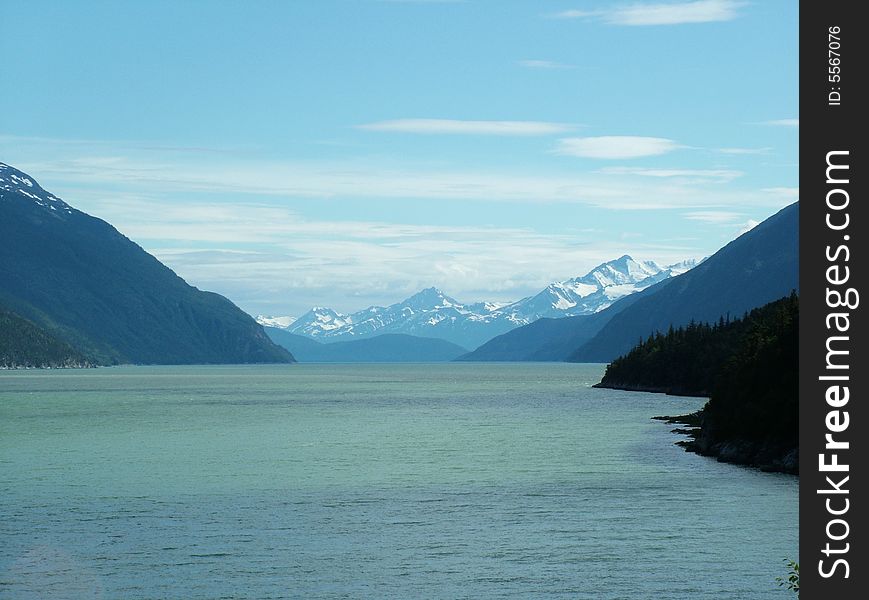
point(371, 481)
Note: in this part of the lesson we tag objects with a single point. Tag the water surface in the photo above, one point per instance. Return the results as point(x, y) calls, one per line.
point(371, 481)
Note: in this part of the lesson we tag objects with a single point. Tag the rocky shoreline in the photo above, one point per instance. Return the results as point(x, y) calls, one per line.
point(768, 455)
point(62, 365)
point(669, 390)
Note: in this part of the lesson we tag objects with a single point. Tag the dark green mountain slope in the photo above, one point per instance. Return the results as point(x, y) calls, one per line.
point(77, 277)
point(752, 416)
point(748, 367)
point(24, 345)
point(754, 269)
point(687, 360)
point(390, 347)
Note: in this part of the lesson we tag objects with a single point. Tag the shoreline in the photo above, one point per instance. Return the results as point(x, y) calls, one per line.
point(767, 455)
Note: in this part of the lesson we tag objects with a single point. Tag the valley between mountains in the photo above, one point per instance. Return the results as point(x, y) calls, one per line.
point(96, 297)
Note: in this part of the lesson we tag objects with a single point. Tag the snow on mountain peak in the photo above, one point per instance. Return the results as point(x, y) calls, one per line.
point(431, 313)
point(319, 319)
point(430, 298)
point(13, 180)
point(683, 266)
point(622, 270)
point(277, 322)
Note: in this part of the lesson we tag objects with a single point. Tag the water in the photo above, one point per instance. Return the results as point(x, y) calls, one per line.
point(371, 481)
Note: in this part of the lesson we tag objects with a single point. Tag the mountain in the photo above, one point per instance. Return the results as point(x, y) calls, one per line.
point(25, 345)
point(278, 322)
point(688, 360)
point(389, 347)
point(747, 366)
point(756, 268)
point(79, 279)
point(431, 313)
point(596, 290)
point(428, 313)
point(547, 339)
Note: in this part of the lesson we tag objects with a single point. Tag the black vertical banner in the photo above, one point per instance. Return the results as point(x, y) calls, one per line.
point(834, 364)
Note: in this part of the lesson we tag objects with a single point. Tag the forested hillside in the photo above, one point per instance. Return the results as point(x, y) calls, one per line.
point(24, 345)
point(748, 368)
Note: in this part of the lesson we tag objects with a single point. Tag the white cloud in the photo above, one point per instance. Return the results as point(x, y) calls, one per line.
point(744, 151)
point(787, 193)
point(82, 170)
point(716, 217)
point(544, 64)
point(578, 14)
point(227, 222)
point(687, 175)
point(675, 13)
point(615, 146)
point(453, 126)
point(423, 1)
point(347, 264)
point(783, 122)
point(83, 177)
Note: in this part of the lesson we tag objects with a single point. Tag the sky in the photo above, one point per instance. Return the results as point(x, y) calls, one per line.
point(348, 153)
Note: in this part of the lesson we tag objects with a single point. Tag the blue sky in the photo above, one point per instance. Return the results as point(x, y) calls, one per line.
point(350, 152)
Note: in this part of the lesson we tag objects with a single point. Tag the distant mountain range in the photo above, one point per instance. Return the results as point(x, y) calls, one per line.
point(755, 269)
point(431, 313)
point(388, 347)
point(74, 292)
point(758, 267)
point(83, 284)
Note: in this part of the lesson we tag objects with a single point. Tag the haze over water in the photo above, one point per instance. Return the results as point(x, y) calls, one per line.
point(353, 481)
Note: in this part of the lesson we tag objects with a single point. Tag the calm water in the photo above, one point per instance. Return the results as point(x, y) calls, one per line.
point(371, 481)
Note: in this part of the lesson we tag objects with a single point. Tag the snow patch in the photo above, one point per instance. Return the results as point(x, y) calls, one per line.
point(277, 322)
point(430, 312)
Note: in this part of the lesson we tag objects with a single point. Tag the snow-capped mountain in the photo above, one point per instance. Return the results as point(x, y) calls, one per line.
point(431, 313)
point(594, 291)
point(683, 266)
point(276, 322)
point(13, 180)
point(82, 284)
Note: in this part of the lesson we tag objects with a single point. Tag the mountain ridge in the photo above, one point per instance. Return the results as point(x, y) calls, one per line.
point(768, 253)
point(78, 278)
point(758, 267)
point(432, 313)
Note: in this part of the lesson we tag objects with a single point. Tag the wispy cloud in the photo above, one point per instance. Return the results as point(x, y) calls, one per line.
point(716, 217)
point(423, 1)
point(578, 14)
point(461, 127)
point(264, 233)
point(675, 13)
point(788, 193)
point(692, 175)
point(745, 151)
point(782, 122)
point(295, 181)
point(350, 264)
point(639, 189)
point(82, 169)
point(544, 64)
point(615, 146)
